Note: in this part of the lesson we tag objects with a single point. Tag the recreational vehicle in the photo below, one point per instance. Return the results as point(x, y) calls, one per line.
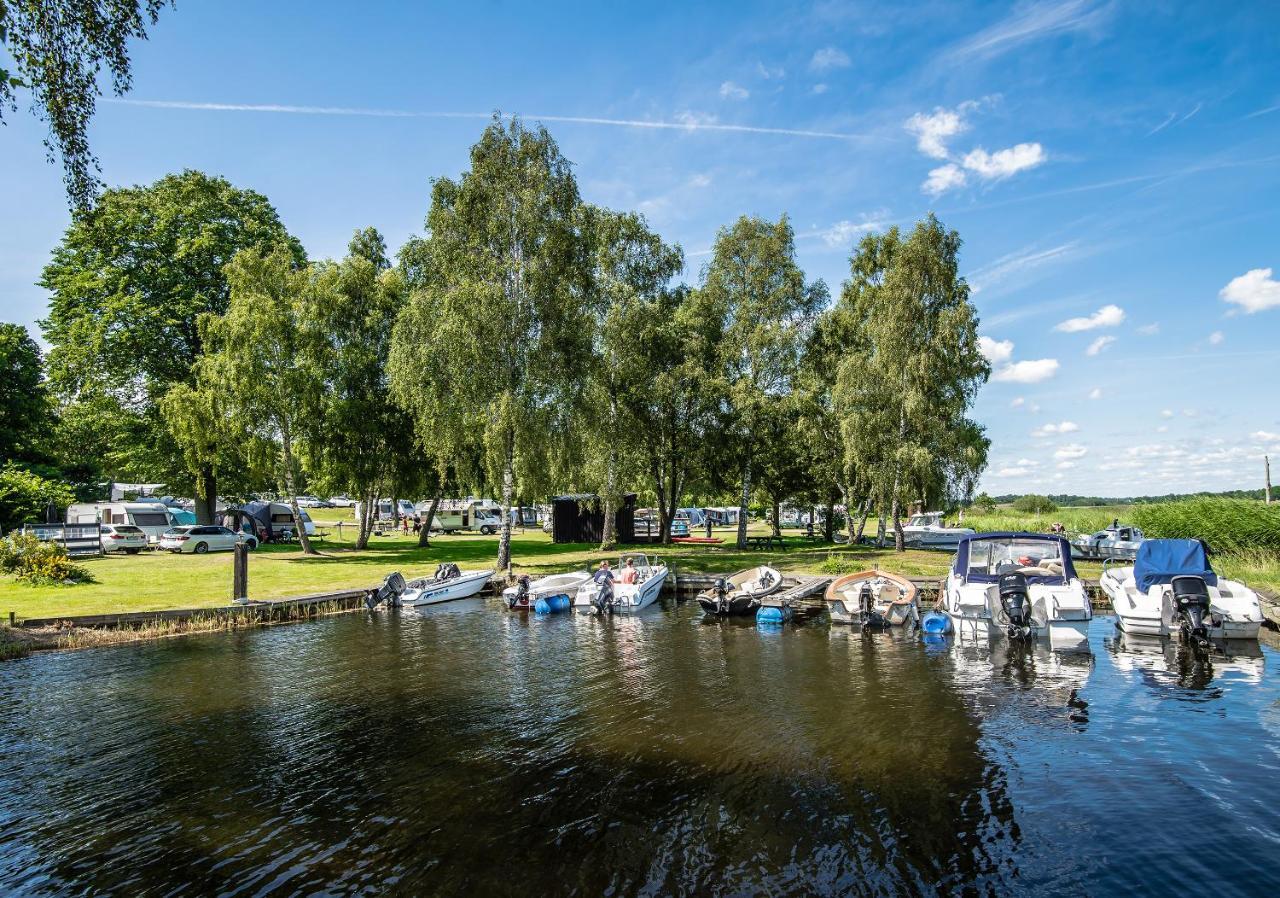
point(152, 518)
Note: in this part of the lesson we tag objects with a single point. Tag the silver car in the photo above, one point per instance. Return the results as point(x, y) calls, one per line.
point(122, 538)
point(202, 538)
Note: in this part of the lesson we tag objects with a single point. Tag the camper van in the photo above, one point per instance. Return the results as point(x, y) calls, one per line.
point(465, 514)
point(382, 511)
point(152, 518)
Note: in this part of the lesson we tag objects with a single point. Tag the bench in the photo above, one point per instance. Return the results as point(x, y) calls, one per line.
point(766, 542)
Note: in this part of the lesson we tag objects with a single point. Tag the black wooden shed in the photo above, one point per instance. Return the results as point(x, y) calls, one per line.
point(579, 518)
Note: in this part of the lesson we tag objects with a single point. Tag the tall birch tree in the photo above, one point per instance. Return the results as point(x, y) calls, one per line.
point(494, 341)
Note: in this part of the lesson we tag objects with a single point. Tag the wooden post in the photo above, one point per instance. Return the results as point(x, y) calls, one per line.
point(1266, 463)
point(13, 619)
point(240, 573)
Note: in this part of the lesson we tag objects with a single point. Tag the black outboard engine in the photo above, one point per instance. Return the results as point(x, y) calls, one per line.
point(521, 593)
point(722, 595)
point(603, 601)
point(867, 615)
point(1016, 604)
point(390, 591)
point(1191, 607)
point(446, 570)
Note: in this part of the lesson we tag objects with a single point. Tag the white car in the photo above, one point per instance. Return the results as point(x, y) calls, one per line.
point(122, 538)
point(342, 502)
point(203, 538)
point(311, 502)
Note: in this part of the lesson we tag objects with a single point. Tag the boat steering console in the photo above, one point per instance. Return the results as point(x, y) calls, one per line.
point(1016, 605)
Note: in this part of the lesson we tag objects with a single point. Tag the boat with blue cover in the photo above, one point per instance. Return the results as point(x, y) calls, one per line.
point(1172, 589)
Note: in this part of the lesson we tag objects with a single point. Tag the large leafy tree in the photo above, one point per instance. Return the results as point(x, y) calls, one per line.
point(913, 370)
point(24, 408)
point(489, 348)
point(759, 291)
point(267, 364)
point(58, 49)
point(129, 282)
point(632, 267)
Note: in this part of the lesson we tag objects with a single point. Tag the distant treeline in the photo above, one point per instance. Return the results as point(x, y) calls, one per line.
point(1070, 501)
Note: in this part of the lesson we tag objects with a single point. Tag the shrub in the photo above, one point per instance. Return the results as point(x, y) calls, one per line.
point(1033, 504)
point(984, 503)
point(31, 561)
point(24, 496)
point(1227, 525)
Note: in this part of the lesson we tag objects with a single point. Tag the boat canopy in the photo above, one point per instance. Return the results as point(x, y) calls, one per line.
point(1160, 560)
point(968, 546)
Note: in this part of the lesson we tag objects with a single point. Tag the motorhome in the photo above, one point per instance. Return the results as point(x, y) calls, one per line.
point(382, 511)
point(152, 518)
point(484, 515)
point(722, 516)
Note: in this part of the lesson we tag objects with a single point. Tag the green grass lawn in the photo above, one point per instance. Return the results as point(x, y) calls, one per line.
point(153, 581)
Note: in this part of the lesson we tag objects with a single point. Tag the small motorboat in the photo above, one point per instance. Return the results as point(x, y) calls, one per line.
point(1019, 585)
point(927, 531)
point(1117, 541)
point(546, 594)
point(608, 598)
point(872, 599)
point(741, 593)
point(445, 585)
point(1171, 589)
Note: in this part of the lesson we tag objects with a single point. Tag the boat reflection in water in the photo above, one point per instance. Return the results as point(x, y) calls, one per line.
point(1025, 678)
point(1165, 662)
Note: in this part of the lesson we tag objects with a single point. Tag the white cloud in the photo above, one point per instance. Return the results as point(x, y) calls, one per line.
point(1071, 451)
point(841, 233)
point(1030, 22)
point(819, 88)
point(731, 91)
point(700, 180)
point(1265, 436)
point(1095, 393)
point(1049, 429)
point(1003, 163)
point(829, 58)
point(1066, 465)
point(1150, 330)
point(1254, 291)
point(1027, 372)
point(1216, 338)
point(1015, 263)
point(1107, 316)
point(1020, 468)
point(1018, 401)
point(1099, 344)
point(1166, 413)
point(996, 351)
point(933, 129)
point(769, 73)
point(943, 178)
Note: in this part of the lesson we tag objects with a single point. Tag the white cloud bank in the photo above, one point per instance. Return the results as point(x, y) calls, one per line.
point(999, 354)
point(933, 129)
point(1107, 316)
point(933, 132)
point(1050, 429)
point(1099, 344)
point(1071, 451)
point(829, 58)
point(1004, 163)
point(731, 91)
point(1254, 291)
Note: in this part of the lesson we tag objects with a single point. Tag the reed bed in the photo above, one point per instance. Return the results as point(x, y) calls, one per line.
point(1076, 520)
point(1227, 525)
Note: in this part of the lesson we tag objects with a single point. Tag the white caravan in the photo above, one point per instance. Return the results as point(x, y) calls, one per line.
point(152, 518)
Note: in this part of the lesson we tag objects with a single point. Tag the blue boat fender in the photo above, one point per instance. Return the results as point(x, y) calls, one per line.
point(552, 604)
point(937, 623)
point(771, 614)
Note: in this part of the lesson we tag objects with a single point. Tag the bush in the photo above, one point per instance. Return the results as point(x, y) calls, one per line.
point(24, 496)
point(30, 561)
point(1033, 504)
point(1227, 525)
point(984, 503)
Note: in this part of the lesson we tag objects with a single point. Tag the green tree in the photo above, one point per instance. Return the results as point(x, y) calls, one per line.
point(1034, 504)
point(984, 503)
point(265, 367)
point(488, 349)
point(24, 408)
point(913, 367)
point(129, 282)
point(25, 495)
point(632, 267)
point(59, 48)
point(759, 291)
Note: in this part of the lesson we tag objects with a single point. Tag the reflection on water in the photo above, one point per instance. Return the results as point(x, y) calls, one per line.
point(460, 749)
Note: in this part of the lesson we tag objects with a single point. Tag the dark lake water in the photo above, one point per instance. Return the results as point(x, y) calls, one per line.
point(469, 751)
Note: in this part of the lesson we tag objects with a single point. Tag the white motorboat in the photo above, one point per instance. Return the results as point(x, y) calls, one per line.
point(1171, 590)
point(1019, 585)
point(445, 585)
point(741, 593)
point(927, 531)
point(1117, 541)
point(872, 599)
point(619, 596)
point(555, 592)
point(1167, 662)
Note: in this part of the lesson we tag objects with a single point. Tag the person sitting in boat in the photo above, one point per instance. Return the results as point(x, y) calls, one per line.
point(603, 574)
point(629, 572)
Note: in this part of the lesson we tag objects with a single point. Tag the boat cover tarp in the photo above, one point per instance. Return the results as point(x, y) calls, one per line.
point(960, 566)
point(1160, 560)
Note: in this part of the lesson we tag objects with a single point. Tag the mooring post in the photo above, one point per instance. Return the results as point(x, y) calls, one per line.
point(13, 618)
point(240, 573)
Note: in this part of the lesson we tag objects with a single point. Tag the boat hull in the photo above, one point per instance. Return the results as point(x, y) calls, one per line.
point(842, 604)
point(625, 599)
point(434, 592)
point(732, 607)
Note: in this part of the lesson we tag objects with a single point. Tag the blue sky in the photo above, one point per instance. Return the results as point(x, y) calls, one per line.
point(1114, 170)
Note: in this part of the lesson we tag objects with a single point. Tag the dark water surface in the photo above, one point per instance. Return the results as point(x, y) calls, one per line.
point(469, 751)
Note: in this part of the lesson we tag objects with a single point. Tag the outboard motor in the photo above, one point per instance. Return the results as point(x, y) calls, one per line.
point(521, 593)
point(1016, 604)
point(722, 595)
point(390, 591)
point(603, 600)
point(1191, 607)
point(867, 615)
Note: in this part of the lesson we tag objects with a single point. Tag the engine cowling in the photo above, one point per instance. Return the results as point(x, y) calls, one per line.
point(1191, 606)
point(1015, 601)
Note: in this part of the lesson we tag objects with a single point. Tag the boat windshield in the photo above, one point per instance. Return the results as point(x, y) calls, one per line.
point(1033, 557)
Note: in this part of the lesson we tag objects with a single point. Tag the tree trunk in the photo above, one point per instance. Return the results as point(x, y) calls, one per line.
point(899, 539)
point(286, 448)
point(424, 535)
point(777, 521)
point(508, 490)
point(365, 524)
point(607, 536)
point(863, 511)
point(742, 506)
point(673, 500)
point(206, 497)
point(660, 490)
point(829, 526)
point(880, 532)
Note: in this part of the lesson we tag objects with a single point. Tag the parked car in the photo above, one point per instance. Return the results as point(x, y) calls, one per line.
point(122, 538)
point(341, 502)
point(204, 538)
point(313, 502)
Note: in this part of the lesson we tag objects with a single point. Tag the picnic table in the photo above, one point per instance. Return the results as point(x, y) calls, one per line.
point(766, 542)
